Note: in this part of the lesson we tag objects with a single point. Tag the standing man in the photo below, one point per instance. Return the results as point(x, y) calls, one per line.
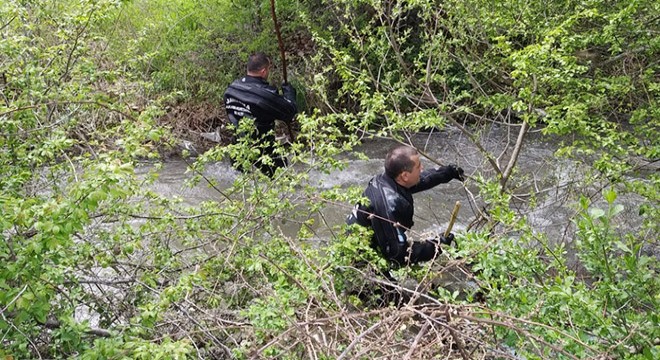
point(390, 209)
point(252, 97)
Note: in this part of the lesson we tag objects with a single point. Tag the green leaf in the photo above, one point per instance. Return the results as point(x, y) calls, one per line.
point(596, 213)
point(97, 196)
point(610, 196)
point(622, 246)
point(616, 210)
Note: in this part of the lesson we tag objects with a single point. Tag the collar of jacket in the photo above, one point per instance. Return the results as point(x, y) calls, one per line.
point(253, 79)
point(392, 183)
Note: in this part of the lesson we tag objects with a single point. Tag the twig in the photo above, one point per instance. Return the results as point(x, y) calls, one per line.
point(454, 213)
point(56, 103)
point(454, 335)
point(54, 324)
point(36, 349)
point(357, 340)
point(7, 23)
point(14, 299)
point(279, 38)
point(419, 336)
point(520, 331)
point(514, 156)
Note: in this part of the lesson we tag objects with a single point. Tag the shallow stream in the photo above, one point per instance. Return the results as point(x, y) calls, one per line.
point(552, 178)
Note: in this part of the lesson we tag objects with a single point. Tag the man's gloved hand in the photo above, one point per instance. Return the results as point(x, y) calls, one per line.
point(288, 90)
point(446, 240)
point(458, 172)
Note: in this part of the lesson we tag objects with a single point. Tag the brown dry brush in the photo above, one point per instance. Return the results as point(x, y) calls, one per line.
point(327, 325)
point(420, 328)
point(426, 331)
point(408, 332)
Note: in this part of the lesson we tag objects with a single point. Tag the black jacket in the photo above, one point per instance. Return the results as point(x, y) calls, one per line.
point(391, 203)
point(253, 97)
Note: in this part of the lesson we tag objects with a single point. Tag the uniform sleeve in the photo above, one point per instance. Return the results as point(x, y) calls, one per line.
point(433, 177)
point(289, 92)
point(282, 107)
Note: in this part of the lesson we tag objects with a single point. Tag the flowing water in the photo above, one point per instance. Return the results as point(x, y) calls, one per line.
point(553, 179)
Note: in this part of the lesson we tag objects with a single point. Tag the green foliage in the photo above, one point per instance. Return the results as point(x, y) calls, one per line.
point(573, 68)
point(195, 48)
point(168, 43)
point(616, 301)
point(130, 349)
point(97, 265)
point(625, 280)
point(581, 70)
point(54, 116)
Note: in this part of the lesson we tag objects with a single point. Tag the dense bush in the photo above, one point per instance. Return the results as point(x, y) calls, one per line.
point(98, 266)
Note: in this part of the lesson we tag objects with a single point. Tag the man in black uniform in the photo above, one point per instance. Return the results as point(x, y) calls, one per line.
point(390, 211)
point(252, 97)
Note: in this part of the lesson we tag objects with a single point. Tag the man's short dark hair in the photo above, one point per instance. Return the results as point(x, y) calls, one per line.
point(399, 159)
point(258, 61)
